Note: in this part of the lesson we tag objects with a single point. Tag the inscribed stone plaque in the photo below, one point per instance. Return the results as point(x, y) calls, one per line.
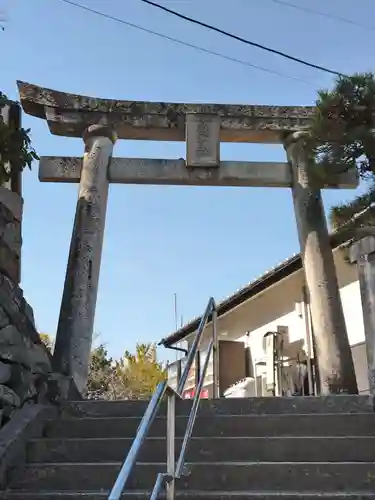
point(202, 140)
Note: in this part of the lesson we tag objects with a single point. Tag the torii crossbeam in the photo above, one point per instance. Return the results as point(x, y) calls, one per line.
point(175, 172)
point(70, 115)
point(202, 127)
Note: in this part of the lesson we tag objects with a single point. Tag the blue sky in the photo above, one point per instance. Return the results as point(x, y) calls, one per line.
point(195, 242)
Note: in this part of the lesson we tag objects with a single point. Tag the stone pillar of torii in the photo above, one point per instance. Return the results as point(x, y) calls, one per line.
point(202, 126)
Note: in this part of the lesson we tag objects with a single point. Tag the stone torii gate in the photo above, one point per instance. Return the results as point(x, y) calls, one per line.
point(202, 126)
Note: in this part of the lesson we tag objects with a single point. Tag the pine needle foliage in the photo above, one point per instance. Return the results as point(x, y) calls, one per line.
point(343, 127)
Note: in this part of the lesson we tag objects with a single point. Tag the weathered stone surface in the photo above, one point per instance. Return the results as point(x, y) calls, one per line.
point(236, 451)
point(14, 304)
point(218, 449)
point(336, 369)
point(62, 388)
point(29, 313)
point(17, 348)
point(15, 354)
point(71, 114)
point(22, 382)
point(299, 478)
point(10, 229)
point(25, 362)
point(28, 364)
point(174, 172)
point(41, 384)
point(362, 253)
point(10, 233)
point(14, 347)
point(10, 113)
point(4, 318)
point(26, 423)
point(9, 262)
point(40, 359)
point(8, 397)
point(9, 335)
point(11, 299)
point(71, 355)
point(5, 372)
point(202, 140)
point(12, 201)
point(5, 118)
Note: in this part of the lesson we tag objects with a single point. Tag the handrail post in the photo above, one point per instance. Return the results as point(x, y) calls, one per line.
point(178, 372)
point(215, 356)
point(173, 470)
point(194, 347)
point(197, 363)
point(136, 446)
point(192, 415)
point(171, 459)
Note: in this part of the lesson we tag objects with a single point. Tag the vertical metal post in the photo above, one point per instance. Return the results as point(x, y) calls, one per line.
point(316, 377)
point(308, 339)
point(171, 459)
point(215, 356)
point(275, 365)
point(197, 368)
point(179, 369)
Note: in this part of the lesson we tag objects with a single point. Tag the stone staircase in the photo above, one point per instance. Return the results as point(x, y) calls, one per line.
point(257, 448)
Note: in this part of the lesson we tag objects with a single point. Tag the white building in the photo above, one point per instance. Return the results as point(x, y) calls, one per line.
point(275, 302)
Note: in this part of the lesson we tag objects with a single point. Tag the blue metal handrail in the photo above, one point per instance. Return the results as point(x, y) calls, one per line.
point(173, 471)
point(136, 446)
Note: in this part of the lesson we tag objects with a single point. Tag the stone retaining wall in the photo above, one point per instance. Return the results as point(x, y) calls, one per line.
point(25, 362)
point(11, 205)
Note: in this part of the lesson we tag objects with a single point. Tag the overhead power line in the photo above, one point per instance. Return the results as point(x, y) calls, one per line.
point(187, 44)
point(241, 39)
point(323, 14)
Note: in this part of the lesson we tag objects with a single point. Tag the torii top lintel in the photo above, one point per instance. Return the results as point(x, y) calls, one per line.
point(70, 114)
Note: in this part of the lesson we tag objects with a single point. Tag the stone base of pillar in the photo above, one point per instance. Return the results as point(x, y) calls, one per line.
point(62, 388)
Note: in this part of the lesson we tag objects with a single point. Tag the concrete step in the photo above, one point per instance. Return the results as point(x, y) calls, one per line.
point(188, 495)
point(356, 424)
point(221, 449)
point(192, 494)
point(231, 406)
point(250, 476)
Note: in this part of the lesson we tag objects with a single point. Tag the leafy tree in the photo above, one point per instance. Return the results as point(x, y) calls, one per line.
point(134, 376)
point(15, 146)
point(343, 135)
point(47, 340)
point(355, 214)
point(343, 125)
point(100, 373)
point(137, 375)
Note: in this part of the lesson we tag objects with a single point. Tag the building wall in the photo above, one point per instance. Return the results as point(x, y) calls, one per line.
point(281, 305)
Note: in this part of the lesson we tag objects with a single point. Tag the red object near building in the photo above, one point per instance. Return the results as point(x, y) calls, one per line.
point(191, 392)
